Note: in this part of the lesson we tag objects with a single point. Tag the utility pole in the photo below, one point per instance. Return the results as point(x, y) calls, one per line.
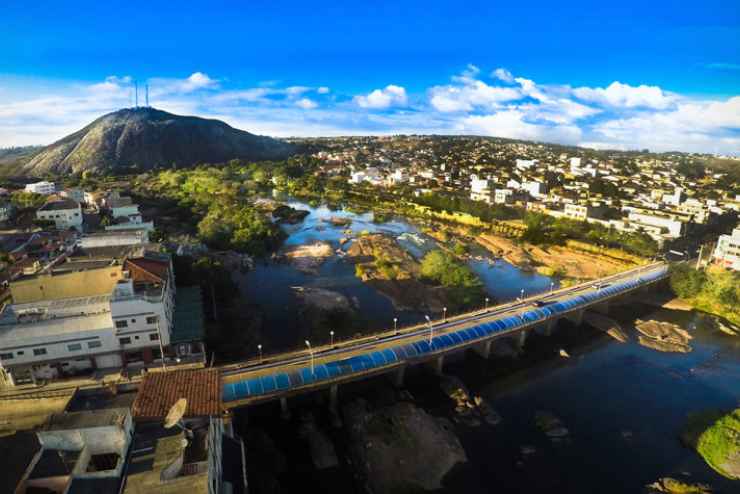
point(161, 347)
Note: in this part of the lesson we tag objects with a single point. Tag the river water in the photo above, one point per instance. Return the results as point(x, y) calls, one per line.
point(269, 287)
point(624, 405)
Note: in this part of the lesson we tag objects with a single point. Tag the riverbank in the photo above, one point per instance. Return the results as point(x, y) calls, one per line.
point(560, 261)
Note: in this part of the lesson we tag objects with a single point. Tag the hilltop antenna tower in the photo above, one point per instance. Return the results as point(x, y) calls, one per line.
point(136, 89)
point(146, 88)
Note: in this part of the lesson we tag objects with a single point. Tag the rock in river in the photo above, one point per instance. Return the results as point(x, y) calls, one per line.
point(401, 448)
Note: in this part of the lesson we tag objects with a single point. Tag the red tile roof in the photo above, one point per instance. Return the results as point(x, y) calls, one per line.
point(160, 390)
point(151, 270)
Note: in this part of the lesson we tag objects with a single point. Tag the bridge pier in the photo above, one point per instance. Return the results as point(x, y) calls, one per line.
point(547, 327)
point(437, 365)
point(521, 339)
point(284, 410)
point(398, 375)
point(483, 349)
point(576, 317)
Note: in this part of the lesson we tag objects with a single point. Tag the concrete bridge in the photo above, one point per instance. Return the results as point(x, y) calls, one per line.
point(391, 352)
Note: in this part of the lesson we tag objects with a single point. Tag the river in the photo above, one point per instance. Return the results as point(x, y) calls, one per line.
point(624, 405)
point(269, 287)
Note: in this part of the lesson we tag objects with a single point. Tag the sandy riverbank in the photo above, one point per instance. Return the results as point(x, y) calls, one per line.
point(554, 260)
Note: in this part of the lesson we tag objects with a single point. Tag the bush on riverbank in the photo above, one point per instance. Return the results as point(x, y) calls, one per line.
point(444, 269)
point(716, 437)
point(714, 290)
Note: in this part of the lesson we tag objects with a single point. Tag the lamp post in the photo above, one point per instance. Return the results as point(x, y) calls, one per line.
point(431, 330)
point(395, 325)
point(486, 304)
point(259, 349)
point(552, 286)
point(310, 351)
point(444, 310)
point(331, 335)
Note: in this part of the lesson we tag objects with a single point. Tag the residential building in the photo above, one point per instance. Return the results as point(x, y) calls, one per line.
point(113, 238)
point(123, 207)
point(74, 321)
point(65, 214)
point(675, 198)
point(43, 188)
point(535, 189)
point(82, 451)
point(74, 194)
point(6, 211)
point(503, 196)
point(668, 225)
point(480, 189)
point(727, 252)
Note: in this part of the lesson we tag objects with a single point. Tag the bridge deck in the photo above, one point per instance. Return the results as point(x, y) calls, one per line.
point(295, 372)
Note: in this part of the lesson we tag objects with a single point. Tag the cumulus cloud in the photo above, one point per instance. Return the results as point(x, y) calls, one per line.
point(323, 90)
point(296, 90)
point(392, 95)
point(306, 104)
point(624, 95)
point(503, 75)
point(513, 124)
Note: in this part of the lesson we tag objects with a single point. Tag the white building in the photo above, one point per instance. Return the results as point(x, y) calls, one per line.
point(576, 212)
point(113, 238)
point(65, 214)
point(525, 164)
point(121, 207)
point(503, 196)
point(65, 323)
point(399, 176)
point(73, 193)
point(669, 226)
point(480, 189)
point(727, 252)
point(535, 188)
point(43, 188)
point(675, 198)
point(6, 210)
point(575, 164)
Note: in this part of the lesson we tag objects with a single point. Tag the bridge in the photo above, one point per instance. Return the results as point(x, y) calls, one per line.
point(285, 375)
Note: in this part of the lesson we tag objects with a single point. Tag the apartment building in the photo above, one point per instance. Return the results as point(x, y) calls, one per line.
point(43, 188)
point(727, 252)
point(65, 214)
point(480, 189)
point(71, 322)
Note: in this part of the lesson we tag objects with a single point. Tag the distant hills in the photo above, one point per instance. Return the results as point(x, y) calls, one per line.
point(145, 138)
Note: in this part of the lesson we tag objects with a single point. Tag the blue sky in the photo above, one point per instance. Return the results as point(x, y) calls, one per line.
point(625, 75)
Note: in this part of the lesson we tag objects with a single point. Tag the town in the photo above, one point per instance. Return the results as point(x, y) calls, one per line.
point(93, 309)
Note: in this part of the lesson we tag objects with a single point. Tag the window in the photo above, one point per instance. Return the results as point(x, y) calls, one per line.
point(94, 344)
point(124, 341)
point(6, 356)
point(154, 337)
point(20, 352)
point(151, 320)
point(133, 321)
point(74, 347)
point(39, 351)
point(136, 337)
point(121, 324)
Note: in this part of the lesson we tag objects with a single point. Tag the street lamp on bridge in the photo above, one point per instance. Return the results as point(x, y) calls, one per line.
point(486, 304)
point(444, 309)
point(395, 325)
point(431, 330)
point(310, 351)
point(259, 349)
point(331, 335)
point(521, 294)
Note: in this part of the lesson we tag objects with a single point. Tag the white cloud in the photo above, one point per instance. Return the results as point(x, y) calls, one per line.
point(503, 75)
point(512, 124)
point(709, 126)
point(392, 95)
point(306, 104)
point(323, 90)
point(469, 94)
point(296, 90)
point(626, 96)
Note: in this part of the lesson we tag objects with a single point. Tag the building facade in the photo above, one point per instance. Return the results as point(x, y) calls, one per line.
point(727, 252)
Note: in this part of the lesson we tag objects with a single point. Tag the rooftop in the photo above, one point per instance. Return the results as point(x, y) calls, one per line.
point(25, 446)
point(86, 419)
point(64, 204)
point(188, 324)
point(155, 450)
point(160, 390)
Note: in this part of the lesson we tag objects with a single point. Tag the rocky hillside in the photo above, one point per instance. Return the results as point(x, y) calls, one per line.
point(145, 138)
